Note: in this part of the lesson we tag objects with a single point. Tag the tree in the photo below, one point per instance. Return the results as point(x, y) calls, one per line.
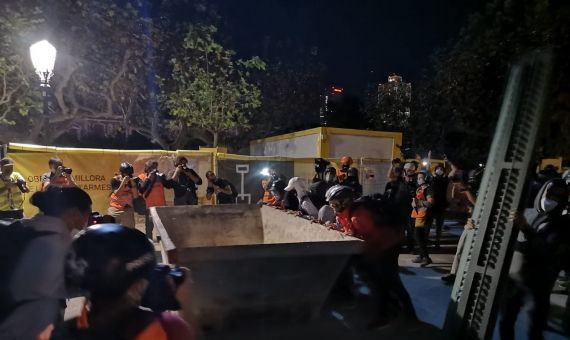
point(18, 93)
point(457, 102)
point(209, 89)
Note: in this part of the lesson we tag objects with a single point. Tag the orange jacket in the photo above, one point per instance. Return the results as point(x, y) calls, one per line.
point(122, 199)
point(424, 200)
point(156, 196)
point(360, 223)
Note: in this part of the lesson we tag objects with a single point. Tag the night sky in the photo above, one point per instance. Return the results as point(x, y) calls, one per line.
point(353, 37)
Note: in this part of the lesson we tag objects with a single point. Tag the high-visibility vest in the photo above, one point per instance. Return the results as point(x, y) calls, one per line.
point(11, 198)
point(122, 199)
point(156, 196)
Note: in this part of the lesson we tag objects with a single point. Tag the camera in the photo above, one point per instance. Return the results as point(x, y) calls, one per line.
point(66, 170)
point(185, 167)
point(97, 218)
point(210, 190)
point(321, 165)
point(161, 293)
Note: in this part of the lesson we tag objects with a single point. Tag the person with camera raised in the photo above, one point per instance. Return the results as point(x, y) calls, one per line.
point(12, 186)
point(58, 175)
point(117, 268)
point(185, 180)
point(124, 190)
point(152, 184)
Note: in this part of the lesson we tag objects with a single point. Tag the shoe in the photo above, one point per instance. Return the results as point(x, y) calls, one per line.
point(418, 259)
point(378, 323)
point(449, 278)
point(426, 262)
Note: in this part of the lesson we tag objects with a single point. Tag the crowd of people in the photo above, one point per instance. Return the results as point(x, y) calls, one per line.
point(115, 266)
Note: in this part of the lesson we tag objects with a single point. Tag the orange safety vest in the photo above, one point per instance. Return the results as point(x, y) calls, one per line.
point(156, 197)
point(154, 331)
point(420, 212)
point(60, 181)
point(122, 199)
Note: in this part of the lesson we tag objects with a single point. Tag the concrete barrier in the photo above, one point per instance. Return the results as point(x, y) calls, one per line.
point(248, 261)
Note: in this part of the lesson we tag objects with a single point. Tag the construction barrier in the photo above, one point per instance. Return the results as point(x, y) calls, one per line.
point(93, 169)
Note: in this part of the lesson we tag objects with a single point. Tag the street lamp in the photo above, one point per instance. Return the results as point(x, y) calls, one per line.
point(43, 58)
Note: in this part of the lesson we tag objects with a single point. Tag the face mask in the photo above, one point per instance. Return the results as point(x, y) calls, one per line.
point(439, 172)
point(548, 205)
point(421, 181)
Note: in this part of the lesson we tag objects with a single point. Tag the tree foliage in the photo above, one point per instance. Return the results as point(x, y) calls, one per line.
point(209, 89)
point(456, 104)
point(18, 90)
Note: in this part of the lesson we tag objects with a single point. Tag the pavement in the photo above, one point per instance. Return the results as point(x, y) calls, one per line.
point(348, 320)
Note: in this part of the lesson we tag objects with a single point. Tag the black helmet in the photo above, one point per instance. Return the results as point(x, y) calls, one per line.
point(339, 192)
point(352, 172)
point(278, 186)
point(106, 259)
point(331, 170)
point(126, 168)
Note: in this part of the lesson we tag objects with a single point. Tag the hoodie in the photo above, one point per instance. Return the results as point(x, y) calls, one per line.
point(306, 206)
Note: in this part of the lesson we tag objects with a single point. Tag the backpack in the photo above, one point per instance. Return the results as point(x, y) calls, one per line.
point(384, 211)
point(14, 238)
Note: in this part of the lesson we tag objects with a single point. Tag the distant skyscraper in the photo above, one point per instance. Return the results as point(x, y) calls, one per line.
point(390, 105)
point(397, 92)
point(331, 94)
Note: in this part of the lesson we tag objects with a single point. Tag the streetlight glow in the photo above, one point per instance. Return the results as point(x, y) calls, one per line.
point(43, 58)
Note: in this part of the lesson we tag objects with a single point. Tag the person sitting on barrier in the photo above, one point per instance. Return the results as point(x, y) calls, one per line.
point(381, 230)
point(318, 189)
point(58, 175)
point(124, 190)
point(12, 186)
point(283, 199)
point(184, 181)
point(32, 257)
point(117, 268)
point(152, 184)
point(541, 252)
point(225, 191)
point(306, 206)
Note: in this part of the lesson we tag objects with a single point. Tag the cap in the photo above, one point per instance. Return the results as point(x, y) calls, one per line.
point(6, 161)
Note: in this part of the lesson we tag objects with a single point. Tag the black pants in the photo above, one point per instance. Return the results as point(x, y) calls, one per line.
point(439, 217)
point(538, 312)
point(16, 214)
point(382, 273)
point(421, 237)
point(148, 225)
point(410, 227)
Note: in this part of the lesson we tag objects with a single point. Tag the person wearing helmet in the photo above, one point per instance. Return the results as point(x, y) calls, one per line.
point(32, 289)
point(124, 189)
point(116, 266)
point(318, 189)
point(342, 173)
point(541, 251)
point(306, 206)
point(382, 235)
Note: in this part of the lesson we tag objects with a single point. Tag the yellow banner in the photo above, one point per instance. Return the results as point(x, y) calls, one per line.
point(93, 171)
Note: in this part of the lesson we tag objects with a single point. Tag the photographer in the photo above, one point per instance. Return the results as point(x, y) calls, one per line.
point(58, 175)
point(152, 184)
point(117, 268)
point(32, 262)
point(225, 194)
point(12, 185)
point(124, 190)
point(184, 181)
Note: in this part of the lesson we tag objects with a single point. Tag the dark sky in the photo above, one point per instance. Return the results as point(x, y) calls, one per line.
point(353, 37)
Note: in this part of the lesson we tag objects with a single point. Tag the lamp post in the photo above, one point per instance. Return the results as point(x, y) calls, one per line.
point(43, 58)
